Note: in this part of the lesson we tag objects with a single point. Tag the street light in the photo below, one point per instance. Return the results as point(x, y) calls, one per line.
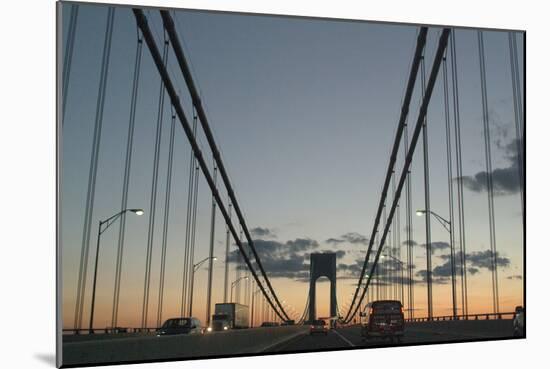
point(107, 222)
point(195, 268)
point(448, 227)
point(444, 222)
point(234, 283)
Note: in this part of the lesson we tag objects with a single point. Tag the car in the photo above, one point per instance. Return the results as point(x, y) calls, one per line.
point(519, 322)
point(182, 325)
point(384, 319)
point(318, 326)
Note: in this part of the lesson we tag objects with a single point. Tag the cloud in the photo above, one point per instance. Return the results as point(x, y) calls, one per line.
point(437, 246)
point(517, 276)
point(483, 259)
point(288, 259)
point(410, 242)
point(262, 232)
point(475, 261)
point(350, 237)
point(436, 279)
point(478, 260)
point(505, 180)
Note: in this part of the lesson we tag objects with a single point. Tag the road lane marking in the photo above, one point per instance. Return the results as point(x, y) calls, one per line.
point(283, 342)
point(343, 338)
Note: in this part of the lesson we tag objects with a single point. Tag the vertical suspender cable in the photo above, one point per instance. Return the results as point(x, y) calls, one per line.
point(460, 183)
point(408, 201)
point(384, 264)
point(153, 200)
point(211, 252)
point(193, 220)
point(226, 274)
point(126, 180)
point(67, 61)
point(238, 272)
point(450, 184)
point(427, 218)
point(189, 214)
point(166, 216)
point(518, 115)
point(489, 168)
point(89, 209)
point(377, 272)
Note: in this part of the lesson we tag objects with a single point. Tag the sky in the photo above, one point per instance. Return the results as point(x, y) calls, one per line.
point(304, 112)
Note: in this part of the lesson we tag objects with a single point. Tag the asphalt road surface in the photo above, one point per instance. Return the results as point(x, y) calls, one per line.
point(348, 337)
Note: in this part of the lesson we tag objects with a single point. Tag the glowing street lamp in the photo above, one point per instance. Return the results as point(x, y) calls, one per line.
point(103, 225)
point(235, 283)
point(195, 268)
point(448, 227)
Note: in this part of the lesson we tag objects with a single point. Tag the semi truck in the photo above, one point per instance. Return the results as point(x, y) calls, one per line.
point(229, 316)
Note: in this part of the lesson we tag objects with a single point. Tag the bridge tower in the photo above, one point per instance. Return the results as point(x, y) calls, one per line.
point(322, 265)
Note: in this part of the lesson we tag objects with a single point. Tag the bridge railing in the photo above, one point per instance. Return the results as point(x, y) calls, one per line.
point(109, 330)
point(481, 316)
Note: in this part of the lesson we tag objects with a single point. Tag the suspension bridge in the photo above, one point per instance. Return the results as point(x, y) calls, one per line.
point(385, 273)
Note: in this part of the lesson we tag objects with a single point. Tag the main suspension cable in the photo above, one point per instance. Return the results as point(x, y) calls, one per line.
point(422, 113)
point(421, 41)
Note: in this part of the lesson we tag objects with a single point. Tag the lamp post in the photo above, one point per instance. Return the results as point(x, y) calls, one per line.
point(448, 227)
point(195, 268)
point(103, 225)
point(235, 283)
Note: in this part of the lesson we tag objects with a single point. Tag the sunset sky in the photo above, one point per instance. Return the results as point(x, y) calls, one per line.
point(304, 112)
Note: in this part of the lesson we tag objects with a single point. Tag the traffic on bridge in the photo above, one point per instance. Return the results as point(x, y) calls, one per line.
point(237, 184)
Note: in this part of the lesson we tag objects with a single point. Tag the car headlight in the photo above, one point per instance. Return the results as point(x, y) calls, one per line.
point(225, 328)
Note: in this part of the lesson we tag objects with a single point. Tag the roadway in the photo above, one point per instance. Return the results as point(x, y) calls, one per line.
point(108, 349)
point(415, 333)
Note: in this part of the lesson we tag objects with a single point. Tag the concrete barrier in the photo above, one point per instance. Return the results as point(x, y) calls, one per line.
point(246, 341)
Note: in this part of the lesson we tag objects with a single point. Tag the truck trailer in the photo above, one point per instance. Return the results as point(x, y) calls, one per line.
point(229, 316)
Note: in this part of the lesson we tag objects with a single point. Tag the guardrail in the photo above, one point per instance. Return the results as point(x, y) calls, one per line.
point(117, 330)
point(108, 330)
point(483, 316)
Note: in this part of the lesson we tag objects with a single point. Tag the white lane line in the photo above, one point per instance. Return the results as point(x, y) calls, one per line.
point(343, 338)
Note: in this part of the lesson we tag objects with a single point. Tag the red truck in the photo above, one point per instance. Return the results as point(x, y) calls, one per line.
point(383, 319)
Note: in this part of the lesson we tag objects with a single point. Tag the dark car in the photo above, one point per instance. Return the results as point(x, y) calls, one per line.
point(519, 322)
point(385, 319)
point(318, 326)
point(180, 326)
